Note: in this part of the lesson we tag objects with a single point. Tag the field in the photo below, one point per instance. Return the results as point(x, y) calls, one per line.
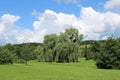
point(83, 70)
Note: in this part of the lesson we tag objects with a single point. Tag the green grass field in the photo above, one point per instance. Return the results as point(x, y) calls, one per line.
point(84, 70)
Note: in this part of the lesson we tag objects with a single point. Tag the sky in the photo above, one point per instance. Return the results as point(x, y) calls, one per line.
point(23, 21)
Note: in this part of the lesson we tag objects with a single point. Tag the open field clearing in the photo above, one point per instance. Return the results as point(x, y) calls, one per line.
point(84, 70)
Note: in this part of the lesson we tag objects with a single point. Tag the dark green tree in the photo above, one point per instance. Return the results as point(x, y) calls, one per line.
point(109, 55)
point(95, 48)
point(5, 56)
point(25, 53)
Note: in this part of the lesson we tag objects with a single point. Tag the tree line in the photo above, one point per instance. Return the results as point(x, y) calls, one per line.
point(66, 47)
point(55, 48)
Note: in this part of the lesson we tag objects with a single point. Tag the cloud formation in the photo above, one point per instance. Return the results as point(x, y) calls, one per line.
point(93, 24)
point(10, 33)
point(112, 4)
point(8, 28)
point(90, 23)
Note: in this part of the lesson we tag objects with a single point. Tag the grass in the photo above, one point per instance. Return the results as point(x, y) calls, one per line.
point(84, 70)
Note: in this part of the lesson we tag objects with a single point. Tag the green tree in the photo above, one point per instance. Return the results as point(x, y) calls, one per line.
point(25, 53)
point(67, 49)
point(87, 54)
point(17, 50)
point(71, 34)
point(50, 42)
point(61, 48)
point(109, 57)
point(95, 49)
point(5, 56)
point(39, 54)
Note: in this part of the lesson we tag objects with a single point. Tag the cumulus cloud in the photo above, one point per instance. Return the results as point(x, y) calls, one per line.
point(53, 22)
point(90, 23)
point(10, 33)
point(112, 4)
point(7, 28)
point(7, 18)
point(31, 36)
point(7, 22)
point(97, 24)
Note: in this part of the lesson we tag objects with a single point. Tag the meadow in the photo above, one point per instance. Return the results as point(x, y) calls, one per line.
point(83, 70)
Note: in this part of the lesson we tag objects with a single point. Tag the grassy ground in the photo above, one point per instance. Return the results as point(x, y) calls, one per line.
point(84, 70)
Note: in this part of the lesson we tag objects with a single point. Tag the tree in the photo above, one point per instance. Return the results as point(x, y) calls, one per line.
point(87, 53)
point(50, 42)
point(39, 53)
point(71, 34)
point(60, 48)
point(25, 53)
point(109, 55)
point(67, 47)
point(95, 49)
point(17, 50)
point(5, 56)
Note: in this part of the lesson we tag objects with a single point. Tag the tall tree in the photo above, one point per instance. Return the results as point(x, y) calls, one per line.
point(25, 53)
point(39, 53)
point(50, 42)
point(61, 48)
point(67, 47)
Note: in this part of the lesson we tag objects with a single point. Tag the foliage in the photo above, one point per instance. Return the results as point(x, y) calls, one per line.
point(67, 52)
point(5, 56)
point(107, 55)
point(62, 48)
point(65, 47)
point(39, 53)
point(87, 53)
point(56, 48)
point(25, 54)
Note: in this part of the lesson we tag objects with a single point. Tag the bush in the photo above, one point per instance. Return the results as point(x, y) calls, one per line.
point(109, 55)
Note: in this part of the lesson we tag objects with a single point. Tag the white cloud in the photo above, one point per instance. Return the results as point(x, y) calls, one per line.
point(7, 18)
point(98, 24)
point(53, 22)
point(31, 36)
point(112, 4)
point(93, 24)
point(10, 33)
point(8, 28)
point(7, 22)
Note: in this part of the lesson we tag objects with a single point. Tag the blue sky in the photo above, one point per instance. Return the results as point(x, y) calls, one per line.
point(24, 8)
point(29, 20)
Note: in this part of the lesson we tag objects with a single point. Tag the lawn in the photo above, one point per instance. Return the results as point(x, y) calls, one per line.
point(83, 70)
